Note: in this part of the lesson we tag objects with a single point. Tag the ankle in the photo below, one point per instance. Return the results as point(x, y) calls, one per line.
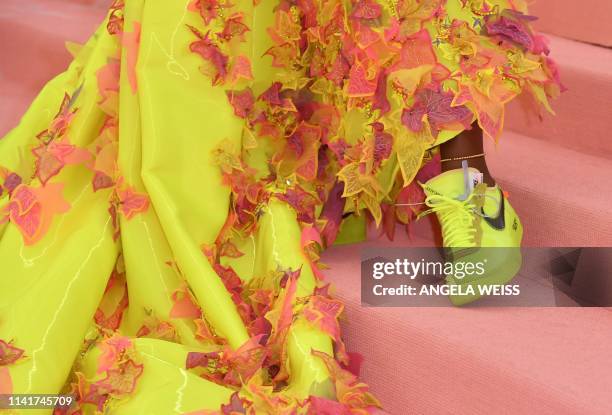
point(478, 163)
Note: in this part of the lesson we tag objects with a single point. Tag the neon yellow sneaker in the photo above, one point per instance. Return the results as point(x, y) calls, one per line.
point(478, 226)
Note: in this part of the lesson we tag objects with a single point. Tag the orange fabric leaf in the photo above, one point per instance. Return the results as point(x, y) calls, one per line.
point(122, 381)
point(416, 51)
point(184, 305)
point(310, 235)
point(32, 209)
point(132, 202)
point(324, 313)
point(359, 85)
point(111, 351)
point(240, 69)
point(9, 354)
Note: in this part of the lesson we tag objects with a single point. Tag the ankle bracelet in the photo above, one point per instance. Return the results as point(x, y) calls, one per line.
point(463, 157)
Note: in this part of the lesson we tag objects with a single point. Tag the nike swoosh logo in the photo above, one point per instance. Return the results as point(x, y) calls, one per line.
point(499, 222)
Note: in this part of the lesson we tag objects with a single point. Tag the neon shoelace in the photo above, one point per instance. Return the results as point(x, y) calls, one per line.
point(456, 219)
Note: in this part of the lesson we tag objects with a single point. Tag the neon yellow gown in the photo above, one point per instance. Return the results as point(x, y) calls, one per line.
point(165, 199)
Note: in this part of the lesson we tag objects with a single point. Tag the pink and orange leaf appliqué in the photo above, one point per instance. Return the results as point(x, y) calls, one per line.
point(113, 304)
point(211, 53)
point(359, 85)
point(234, 27)
point(102, 181)
point(112, 350)
point(115, 18)
point(131, 202)
point(62, 119)
point(366, 9)
point(108, 78)
point(349, 390)
point(121, 381)
point(332, 212)
point(89, 393)
point(52, 157)
point(240, 68)
point(416, 51)
point(208, 9)
point(32, 209)
point(47, 164)
point(184, 305)
point(9, 354)
point(440, 110)
point(230, 250)
point(323, 406)
point(242, 102)
point(324, 313)
point(310, 235)
point(155, 328)
point(204, 333)
point(229, 366)
point(280, 317)
point(11, 181)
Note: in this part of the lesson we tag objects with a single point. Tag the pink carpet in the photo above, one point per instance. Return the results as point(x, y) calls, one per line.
point(586, 20)
point(558, 173)
point(477, 361)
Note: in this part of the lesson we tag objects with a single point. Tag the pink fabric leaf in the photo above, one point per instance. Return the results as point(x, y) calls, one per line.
point(240, 69)
point(101, 181)
point(512, 26)
point(212, 54)
point(416, 51)
point(183, 305)
point(367, 9)
point(32, 209)
point(9, 354)
point(332, 213)
point(383, 143)
point(242, 101)
point(310, 235)
point(272, 95)
point(323, 406)
point(359, 85)
point(381, 101)
point(339, 70)
point(111, 350)
point(132, 202)
point(439, 110)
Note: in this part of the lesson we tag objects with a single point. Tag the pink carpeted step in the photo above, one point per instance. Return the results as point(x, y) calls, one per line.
point(33, 34)
point(477, 360)
point(583, 120)
point(587, 20)
point(562, 196)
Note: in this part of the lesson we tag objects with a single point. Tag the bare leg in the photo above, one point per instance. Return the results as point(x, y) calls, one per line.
point(468, 143)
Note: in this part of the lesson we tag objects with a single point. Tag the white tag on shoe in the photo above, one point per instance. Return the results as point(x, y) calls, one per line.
point(476, 179)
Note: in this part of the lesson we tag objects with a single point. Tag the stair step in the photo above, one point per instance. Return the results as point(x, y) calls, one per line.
point(562, 196)
point(587, 21)
point(476, 360)
point(14, 101)
point(37, 42)
point(34, 34)
point(583, 119)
